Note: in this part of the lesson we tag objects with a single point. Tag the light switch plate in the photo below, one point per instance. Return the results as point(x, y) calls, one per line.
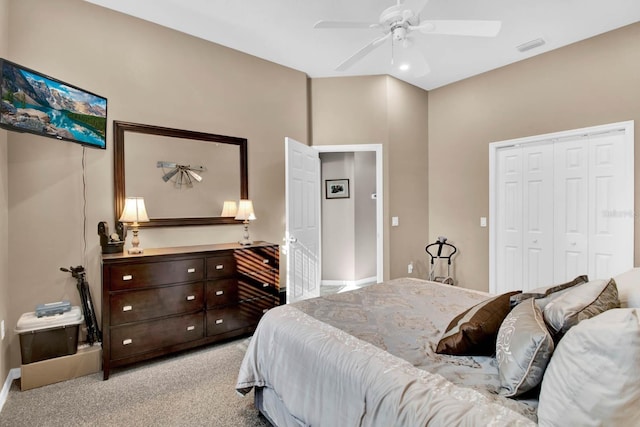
point(394, 221)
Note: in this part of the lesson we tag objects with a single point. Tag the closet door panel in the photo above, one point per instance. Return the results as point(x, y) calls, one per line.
point(610, 244)
point(509, 220)
point(571, 170)
point(537, 215)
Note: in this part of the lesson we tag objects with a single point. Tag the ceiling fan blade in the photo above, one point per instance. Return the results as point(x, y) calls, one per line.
point(194, 175)
point(345, 24)
point(167, 176)
point(416, 5)
point(362, 53)
point(162, 164)
point(460, 28)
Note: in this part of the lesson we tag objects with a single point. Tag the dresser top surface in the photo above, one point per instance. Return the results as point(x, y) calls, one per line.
point(177, 250)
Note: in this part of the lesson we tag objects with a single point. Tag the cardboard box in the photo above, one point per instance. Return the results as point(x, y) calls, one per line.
point(87, 360)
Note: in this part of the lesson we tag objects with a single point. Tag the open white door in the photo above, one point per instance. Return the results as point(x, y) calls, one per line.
point(302, 216)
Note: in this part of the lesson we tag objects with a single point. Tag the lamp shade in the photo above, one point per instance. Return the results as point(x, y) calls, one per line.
point(245, 210)
point(229, 208)
point(134, 210)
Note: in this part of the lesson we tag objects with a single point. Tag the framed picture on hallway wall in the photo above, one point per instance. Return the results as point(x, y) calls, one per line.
point(337, 188)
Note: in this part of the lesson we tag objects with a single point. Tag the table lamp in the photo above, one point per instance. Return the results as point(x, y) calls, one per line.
point(134, 213)
point(245, 214)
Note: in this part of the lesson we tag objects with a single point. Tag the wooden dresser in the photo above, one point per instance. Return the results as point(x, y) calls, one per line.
point(171, 299)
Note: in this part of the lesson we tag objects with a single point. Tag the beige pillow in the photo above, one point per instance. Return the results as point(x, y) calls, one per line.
point(593, 376)
point(523, 349)
point(579, 303)
point(629, 288)
point(473, 332)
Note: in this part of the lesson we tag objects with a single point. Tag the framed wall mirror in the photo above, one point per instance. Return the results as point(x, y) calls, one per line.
point(184, 176)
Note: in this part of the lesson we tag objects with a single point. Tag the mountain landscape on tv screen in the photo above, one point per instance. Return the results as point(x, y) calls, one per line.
point(37, 104)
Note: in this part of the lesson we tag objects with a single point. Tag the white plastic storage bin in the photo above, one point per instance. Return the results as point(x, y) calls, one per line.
point(50, 336)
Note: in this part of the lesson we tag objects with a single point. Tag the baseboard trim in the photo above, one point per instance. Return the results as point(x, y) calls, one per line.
point(349, 283)
point(14, 374)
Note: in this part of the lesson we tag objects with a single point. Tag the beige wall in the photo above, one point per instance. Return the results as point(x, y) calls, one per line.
point(4, 208)
point(383, 110)
point(589, 83)
point(150, 75)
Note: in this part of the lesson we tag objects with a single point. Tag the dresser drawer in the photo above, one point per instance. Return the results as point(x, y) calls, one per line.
point(133, 306)
point(222, 292)
point(221, 266)
point(239, 316)
point(128, 340)
point(256, 259)
point(156, 273)
point(263, 281)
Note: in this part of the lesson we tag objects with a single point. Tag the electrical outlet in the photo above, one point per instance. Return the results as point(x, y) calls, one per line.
point(410, 268)
point(2, 330)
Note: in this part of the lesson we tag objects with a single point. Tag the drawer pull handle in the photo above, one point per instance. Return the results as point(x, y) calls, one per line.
point(191, 297)
point(191, 328)
point(219, 266)
point(191, 270)
point(127, 341)
point(127, 308)
point(127, 277)
point(265, 285)
point(265, 261)
point(219, 321)
point(219, 292)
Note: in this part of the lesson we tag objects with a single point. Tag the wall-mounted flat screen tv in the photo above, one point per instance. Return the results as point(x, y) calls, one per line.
point(35, 103)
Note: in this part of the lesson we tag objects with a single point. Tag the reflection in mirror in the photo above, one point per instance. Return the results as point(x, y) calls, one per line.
point(184, 176)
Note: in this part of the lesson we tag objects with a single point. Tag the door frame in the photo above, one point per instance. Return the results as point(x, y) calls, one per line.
point(627, 127)
point(377, 148)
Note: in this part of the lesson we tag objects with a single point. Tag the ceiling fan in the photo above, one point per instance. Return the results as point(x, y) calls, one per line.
point(398, 23)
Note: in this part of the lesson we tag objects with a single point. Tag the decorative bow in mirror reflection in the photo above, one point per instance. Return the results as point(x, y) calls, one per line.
point(180, 174)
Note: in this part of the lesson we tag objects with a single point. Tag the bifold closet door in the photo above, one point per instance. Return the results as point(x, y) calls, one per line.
point(525, 217)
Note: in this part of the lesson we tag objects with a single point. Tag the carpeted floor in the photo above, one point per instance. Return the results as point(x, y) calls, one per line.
point(194, 388)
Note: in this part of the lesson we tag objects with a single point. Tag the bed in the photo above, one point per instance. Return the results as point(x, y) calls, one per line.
point(368, 358)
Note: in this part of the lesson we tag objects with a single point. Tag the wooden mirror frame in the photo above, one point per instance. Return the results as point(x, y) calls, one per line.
point(119, 129)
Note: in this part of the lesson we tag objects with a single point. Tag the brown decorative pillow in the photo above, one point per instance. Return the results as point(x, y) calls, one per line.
point(582, 302)
point(474, 331)
point(547, 291)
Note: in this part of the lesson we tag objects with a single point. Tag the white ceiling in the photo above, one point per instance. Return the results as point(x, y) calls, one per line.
point(282, 31)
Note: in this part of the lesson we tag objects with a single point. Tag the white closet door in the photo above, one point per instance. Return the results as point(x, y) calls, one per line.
point(610, 213)
point(571, 209)
point(509, 219)
point(571, 191)
point(537, 210)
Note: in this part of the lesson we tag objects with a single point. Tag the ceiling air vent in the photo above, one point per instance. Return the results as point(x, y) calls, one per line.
point(530, 45)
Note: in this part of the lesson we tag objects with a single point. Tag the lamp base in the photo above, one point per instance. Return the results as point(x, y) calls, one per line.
point(245, 242)
point(135, 250)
